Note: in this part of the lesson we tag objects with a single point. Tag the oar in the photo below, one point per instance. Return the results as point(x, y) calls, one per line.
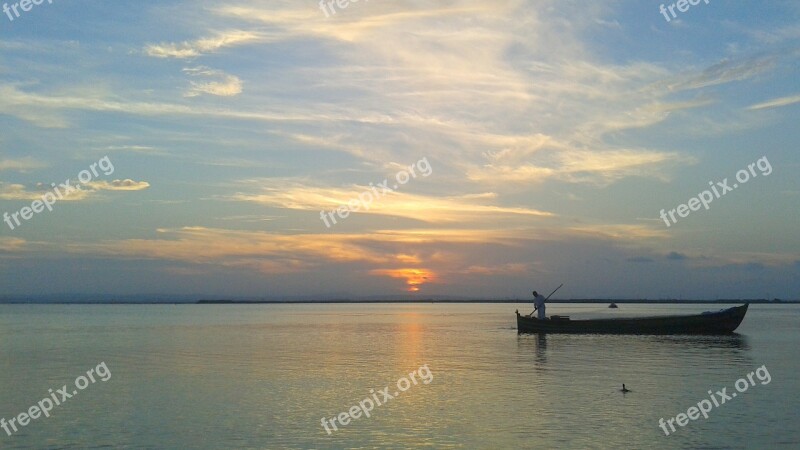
point(546, 299)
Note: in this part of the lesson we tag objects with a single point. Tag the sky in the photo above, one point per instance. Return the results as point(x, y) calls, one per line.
point(409, 149)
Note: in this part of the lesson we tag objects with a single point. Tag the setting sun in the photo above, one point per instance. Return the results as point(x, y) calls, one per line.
point(414, 277)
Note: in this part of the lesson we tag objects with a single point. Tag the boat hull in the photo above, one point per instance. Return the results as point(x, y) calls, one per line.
point(720, 322)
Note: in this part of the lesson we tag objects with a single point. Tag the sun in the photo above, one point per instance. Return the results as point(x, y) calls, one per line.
point(413, 277)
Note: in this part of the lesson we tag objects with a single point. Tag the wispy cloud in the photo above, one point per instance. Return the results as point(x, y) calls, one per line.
point(218, 82)
point(776, 103)
point(20, 192)
point(11, 244)
point(21, 164)
point(193, 49)
point(578, 166)
point(725, 71)
point(9, 191)
point(292, 194)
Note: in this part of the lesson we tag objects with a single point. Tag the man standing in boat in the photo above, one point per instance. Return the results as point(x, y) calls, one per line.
point(538, 303)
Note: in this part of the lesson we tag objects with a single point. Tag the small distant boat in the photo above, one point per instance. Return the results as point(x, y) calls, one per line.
point(613, 305)
point(721, 322)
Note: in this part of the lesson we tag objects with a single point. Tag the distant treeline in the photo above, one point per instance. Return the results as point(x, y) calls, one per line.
point(171, 301)
point(593, 300)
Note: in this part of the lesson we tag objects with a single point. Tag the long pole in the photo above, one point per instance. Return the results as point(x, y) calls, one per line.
point(546, 299)
point(551, 294)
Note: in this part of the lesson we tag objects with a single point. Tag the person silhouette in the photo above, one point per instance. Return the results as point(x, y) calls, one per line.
point(538, 303)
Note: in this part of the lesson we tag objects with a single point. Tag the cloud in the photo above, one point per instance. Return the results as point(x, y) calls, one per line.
point(17, 192)
point(776, 103)
point(414, 277)
point(11, 245)
point(201, 245)
point(220, 83)
point(198, 47)
point(118, 185)
point(19, 103)
point(623, 232)
point(20, 165)
point(20, 192)
point(408, 254)
point(443, 87)
point(292, 194)
point(578, 166)
point(722, 72)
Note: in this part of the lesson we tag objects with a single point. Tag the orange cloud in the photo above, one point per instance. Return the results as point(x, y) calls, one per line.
point(414, 277)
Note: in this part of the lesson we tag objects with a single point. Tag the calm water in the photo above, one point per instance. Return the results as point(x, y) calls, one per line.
point(263, 376)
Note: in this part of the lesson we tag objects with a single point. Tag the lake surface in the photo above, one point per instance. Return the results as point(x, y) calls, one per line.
point(264, 376)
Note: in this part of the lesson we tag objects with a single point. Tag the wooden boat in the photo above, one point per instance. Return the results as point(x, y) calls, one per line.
point(720, 322)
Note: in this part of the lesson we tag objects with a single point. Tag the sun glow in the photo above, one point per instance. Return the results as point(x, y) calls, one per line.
point(414, 277)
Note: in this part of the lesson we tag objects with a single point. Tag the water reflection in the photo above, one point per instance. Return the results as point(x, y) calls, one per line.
point(732, 348)
point(541, 348)
point(733, 341)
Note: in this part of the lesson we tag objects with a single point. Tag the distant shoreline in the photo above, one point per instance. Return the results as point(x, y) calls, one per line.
point(421, 301)
point(238, 302)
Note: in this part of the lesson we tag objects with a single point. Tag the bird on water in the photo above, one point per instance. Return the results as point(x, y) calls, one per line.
point(624, 389)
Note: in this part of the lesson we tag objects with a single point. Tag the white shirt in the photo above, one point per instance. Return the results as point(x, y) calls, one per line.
point(538, 300)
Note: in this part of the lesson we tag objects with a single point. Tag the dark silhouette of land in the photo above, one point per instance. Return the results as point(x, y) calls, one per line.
point(94, 299)
point(674, 301)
